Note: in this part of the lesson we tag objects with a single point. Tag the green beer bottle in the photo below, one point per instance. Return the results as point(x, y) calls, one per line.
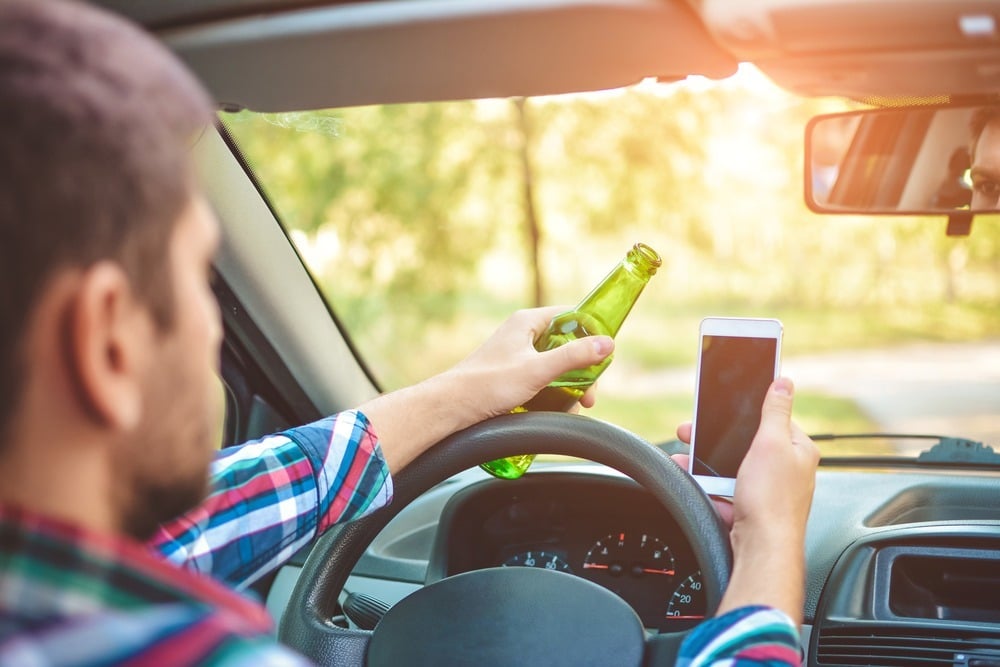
point(600, 313)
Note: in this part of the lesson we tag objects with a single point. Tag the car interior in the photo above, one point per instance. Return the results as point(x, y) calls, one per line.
point(902, 553)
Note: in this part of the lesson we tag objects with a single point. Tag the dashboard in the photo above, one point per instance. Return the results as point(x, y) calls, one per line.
point(903, 564)
point(606, 530)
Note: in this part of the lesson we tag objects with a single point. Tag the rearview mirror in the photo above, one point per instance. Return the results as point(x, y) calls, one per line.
point(914, 161)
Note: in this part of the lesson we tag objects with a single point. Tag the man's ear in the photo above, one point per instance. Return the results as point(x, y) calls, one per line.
point(108, 336)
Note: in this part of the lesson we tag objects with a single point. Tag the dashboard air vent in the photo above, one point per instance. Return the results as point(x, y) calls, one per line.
point(901, 646)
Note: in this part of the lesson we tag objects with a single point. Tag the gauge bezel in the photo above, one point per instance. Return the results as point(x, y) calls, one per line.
point(554, 554)
point(487, 522)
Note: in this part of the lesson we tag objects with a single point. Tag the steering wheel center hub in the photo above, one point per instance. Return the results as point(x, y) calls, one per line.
point(509, 615)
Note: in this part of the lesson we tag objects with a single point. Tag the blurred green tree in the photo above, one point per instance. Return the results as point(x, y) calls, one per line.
point(436, 219)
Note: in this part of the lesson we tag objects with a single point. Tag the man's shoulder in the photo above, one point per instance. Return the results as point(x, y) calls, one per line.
point(168, 634)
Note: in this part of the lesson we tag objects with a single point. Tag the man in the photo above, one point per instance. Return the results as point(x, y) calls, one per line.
point(984, 150)
point(108, 397)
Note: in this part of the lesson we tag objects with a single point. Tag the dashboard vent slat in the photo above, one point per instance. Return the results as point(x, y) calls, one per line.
point(899, 646)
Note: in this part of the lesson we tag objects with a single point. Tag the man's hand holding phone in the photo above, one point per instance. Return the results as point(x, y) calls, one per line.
point(744, 444)
point(774, 486)
point(774, 490)
point(773, 495)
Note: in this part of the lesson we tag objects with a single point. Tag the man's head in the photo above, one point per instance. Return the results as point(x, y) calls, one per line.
point(984, 149)
point(108, 322)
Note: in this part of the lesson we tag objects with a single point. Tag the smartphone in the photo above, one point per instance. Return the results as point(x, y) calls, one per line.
point(738, 359)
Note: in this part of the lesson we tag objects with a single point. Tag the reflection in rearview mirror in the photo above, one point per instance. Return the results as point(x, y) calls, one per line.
point(922, 160)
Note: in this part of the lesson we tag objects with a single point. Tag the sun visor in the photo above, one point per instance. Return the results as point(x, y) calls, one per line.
point(426, 50)
point(878, 47)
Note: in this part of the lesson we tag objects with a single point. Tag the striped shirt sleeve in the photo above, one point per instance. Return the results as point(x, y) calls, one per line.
point(753, 636)
point(172, 634)
point(273, 496)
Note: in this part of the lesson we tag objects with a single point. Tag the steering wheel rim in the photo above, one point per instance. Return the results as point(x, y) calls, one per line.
point(305, 625)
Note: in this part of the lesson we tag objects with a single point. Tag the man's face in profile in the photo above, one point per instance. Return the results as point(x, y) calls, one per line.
point(163, 469)
point(986, 168)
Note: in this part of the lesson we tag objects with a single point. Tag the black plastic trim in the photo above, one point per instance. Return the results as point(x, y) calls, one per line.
point(886, 558)
point(244, 163)
point(255, 370)
point(851, 596)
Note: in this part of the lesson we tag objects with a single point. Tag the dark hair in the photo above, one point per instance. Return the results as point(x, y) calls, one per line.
point(981, 117)
point(96, 123)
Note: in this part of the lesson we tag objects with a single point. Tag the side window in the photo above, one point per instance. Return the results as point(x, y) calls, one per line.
point(250, 374)
point(231, 418)
point(249, 416)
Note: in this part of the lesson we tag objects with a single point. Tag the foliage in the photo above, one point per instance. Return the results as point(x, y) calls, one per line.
point(660, 414)
point(412, 219)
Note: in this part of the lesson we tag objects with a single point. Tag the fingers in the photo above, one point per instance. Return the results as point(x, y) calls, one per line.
point(684, 433)
point(778, 402)
point(510, 354)
point(775, 482)
point(536, 319)
point(806, 444)
point(776, 414)
point(725, 509)
point(589, 397)
point(776, 425)
point(576, 354)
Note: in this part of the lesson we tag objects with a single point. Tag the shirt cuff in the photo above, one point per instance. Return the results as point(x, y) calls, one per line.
point(752, 635)
point(353, 479)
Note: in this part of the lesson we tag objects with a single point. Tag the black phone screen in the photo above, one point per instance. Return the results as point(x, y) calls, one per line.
point(734, 377)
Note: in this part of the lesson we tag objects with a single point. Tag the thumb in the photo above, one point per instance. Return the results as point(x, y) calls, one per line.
point(776, 414)
point(576, 354)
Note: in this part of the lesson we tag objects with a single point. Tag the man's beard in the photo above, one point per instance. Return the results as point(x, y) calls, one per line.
point(168, 464)
point(162, 464)
point(157, 501)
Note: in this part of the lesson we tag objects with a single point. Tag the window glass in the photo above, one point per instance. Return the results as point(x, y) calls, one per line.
point(427, 224)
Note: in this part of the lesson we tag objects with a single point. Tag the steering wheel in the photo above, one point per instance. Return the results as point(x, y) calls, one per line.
point(504, 616)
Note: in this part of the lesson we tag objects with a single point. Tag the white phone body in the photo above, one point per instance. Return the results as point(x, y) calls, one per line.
point(738, 359)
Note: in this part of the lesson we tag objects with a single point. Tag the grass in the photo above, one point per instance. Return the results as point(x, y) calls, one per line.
point(656, 417)
point(808, 330)
point(821, 413)
point(660, 336)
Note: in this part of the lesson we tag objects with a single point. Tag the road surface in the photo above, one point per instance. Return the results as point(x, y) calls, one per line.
point(935, 388)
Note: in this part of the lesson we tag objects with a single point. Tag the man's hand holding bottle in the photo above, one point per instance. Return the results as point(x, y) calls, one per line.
point(501, 374)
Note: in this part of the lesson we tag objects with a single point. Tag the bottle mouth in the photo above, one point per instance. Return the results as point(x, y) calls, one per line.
point(647, 255)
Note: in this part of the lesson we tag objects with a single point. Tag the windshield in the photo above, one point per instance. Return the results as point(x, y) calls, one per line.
point(427, 224)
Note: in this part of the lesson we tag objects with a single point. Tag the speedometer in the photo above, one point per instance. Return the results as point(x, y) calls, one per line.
point(688, 600)
point(544, 559)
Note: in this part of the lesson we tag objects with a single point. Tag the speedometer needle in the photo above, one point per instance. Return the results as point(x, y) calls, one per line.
point(647, 570)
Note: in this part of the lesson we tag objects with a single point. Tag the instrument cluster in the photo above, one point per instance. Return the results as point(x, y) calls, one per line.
point(607, 530)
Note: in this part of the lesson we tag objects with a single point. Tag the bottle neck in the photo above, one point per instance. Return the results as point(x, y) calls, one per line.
point(612, 300)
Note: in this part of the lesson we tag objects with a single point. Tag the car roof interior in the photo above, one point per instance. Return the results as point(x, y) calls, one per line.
point(269, 55)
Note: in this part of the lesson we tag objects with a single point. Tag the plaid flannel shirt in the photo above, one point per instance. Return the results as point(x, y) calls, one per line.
point(72, 597)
